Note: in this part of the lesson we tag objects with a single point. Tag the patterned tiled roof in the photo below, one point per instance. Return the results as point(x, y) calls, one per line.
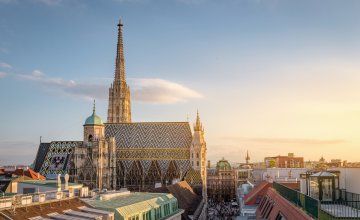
point(40, 156)
point(150, 134)
point(193, 177)
point(57, 157)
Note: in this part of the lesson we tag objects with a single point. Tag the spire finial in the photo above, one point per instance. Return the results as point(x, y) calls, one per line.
point(120, 22)
point(94, 107)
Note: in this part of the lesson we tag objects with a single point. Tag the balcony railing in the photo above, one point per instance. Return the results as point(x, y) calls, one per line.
point(308, 204)
point(347, 206)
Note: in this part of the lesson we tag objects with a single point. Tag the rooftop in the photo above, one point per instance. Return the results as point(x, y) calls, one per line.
point(47, 183)
point(131, 203)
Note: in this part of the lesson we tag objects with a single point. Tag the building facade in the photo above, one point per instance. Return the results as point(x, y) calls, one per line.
point(289, 161)
point(221, 182)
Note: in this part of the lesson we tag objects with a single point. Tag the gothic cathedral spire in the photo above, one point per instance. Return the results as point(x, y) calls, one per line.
point(119, 110)
point(198, 152)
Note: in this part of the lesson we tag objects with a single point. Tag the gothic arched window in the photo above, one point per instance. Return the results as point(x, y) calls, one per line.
point(90, 139)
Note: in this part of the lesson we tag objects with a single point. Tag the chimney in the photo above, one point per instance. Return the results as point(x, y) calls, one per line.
point(59, 182)
point(209, 164)
point(66, 181)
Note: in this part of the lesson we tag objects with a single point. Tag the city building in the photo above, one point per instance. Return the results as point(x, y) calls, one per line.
point(289, 161)
point(10, 176)
point(277, 174)
point(190, 200)
point(221, 182)
point(137, 205)
point(50, 205)
point(122, 153)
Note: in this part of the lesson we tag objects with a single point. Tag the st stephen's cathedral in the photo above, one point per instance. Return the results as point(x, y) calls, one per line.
point(121, 153)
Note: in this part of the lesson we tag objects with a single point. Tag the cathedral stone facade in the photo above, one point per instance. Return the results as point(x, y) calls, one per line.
point(122, 153)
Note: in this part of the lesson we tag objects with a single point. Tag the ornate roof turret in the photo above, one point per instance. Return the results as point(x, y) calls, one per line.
point(247, 158)
point(223, 165)
point(93, 119)
point(198, 124)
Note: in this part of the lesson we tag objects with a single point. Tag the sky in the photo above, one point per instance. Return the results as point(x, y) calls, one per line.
point(267, 76)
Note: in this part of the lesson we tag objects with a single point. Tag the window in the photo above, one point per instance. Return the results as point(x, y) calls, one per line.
point(174, 206)
point(197, 163)
point(135, 217)
point(197, 155)
point(258, 199)
point(167, 209)
point(268, 211)
point(280, 216)
point(262, 202)
point(265, 207)
point(158, 213)
point(147, 215)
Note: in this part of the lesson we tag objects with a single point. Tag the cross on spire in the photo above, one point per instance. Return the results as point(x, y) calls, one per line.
point(94, 107)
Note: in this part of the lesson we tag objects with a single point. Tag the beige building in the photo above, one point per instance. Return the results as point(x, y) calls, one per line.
point(221, 182)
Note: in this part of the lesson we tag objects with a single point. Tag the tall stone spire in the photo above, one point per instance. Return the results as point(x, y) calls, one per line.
point(119, 110)
point(120, 61)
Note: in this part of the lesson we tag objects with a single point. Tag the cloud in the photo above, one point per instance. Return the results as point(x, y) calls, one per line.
point(156, 91)
point(69, 87)
point(2, 74)
point(161, 91)
point(5, 65)
point(302, 141)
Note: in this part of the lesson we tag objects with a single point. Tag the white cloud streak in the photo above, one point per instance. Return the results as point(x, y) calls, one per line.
point(5, 65)
point(161, 91)
point(156, 91)
point(68, 87)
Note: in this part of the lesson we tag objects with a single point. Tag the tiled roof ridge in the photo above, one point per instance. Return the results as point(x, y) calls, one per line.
point(255, 191)
point(273, 193)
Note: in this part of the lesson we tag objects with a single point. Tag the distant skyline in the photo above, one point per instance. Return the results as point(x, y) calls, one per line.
point(268, 76)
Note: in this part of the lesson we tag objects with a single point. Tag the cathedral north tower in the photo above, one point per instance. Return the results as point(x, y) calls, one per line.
point(119, 109)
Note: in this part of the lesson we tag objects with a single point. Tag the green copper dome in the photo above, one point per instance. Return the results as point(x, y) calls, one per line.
point(93, 119)
point(223, 165)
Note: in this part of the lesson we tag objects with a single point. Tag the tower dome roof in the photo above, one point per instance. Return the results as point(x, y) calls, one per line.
point(94, 119)
point(223, 165)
